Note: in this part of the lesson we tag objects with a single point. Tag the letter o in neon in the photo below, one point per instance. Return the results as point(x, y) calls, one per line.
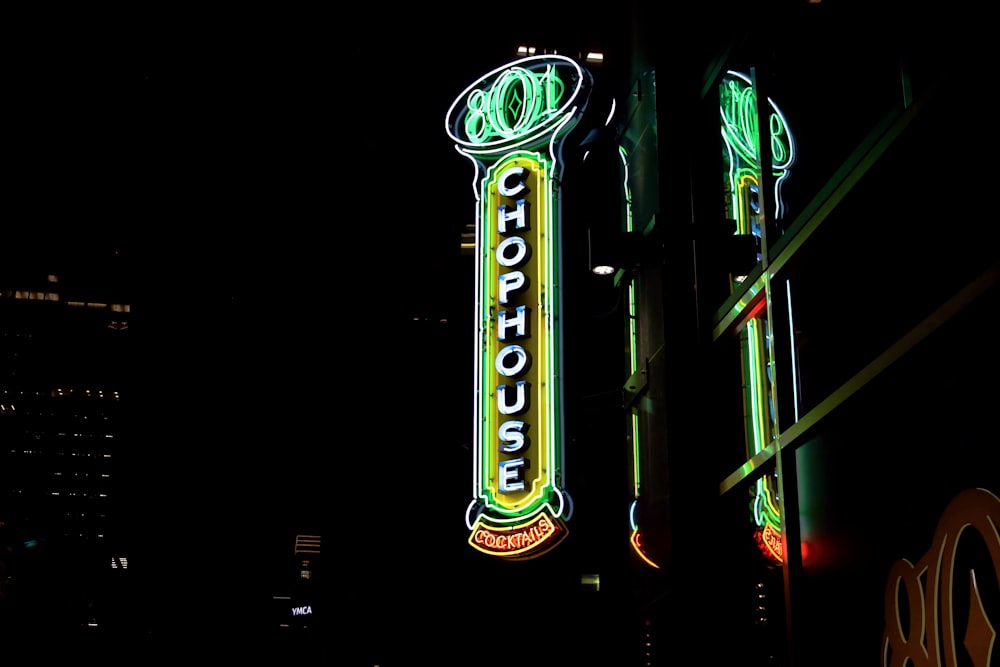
point(521, 360)
point(520, 251)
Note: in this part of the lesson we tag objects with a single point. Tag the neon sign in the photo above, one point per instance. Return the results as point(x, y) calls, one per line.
point(510, 124)
point(635, 506)
point(938, 609)
point(740, 137)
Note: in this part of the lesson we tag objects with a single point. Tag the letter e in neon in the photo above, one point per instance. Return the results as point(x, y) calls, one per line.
point(512, 475)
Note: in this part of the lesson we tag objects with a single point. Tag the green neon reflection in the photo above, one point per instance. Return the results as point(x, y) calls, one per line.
point(759, 406)
point(740, 135)
point(740, 140)
point(631, 315)
point(633, 367)
point(633, 336)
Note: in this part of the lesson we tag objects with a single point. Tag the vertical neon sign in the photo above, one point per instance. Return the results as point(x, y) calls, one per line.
point(632, 334)
point(740, 136)
point(511, 124)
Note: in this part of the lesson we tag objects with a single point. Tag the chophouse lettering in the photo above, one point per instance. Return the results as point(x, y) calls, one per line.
point(512, 360)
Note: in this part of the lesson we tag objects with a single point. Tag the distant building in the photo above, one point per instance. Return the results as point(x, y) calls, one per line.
point(64, 388)
point(296, 603)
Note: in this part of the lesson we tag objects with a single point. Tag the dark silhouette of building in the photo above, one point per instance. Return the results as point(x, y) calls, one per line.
point(66, 388)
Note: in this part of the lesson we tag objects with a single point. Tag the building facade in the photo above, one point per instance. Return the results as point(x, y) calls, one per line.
point(790, 370)
point(64, 420)
point(808, 387)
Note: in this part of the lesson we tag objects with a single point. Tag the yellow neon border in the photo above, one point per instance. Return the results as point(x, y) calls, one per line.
point(541, 375)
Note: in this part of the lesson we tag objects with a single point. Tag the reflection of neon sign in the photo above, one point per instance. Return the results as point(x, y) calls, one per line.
point(758, 399)
point(941, 609)
point(510, 125)
point(769, 539)
point(740, 139)
point(635, 538)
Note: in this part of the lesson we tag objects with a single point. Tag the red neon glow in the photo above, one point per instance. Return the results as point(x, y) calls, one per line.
point(769, 542)
point(756, 309)
point(516, 539)
point(637, 546)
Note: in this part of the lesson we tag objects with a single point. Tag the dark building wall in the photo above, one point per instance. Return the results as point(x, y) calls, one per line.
point(882, 287)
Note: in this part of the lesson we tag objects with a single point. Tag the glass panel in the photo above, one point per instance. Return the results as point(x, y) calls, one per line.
point(639, 152)
point(927, 436)
point(731, 424)
point(879, 266)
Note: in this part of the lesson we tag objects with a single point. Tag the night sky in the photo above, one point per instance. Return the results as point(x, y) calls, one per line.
point(287, 201)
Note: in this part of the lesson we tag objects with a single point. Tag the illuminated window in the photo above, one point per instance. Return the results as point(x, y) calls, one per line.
point(307, 544)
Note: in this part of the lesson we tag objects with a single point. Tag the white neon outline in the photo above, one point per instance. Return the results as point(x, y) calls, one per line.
point(779, 170)
point(504, 145)
point(555, 512)
point(795, 360)
point(558, 504)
